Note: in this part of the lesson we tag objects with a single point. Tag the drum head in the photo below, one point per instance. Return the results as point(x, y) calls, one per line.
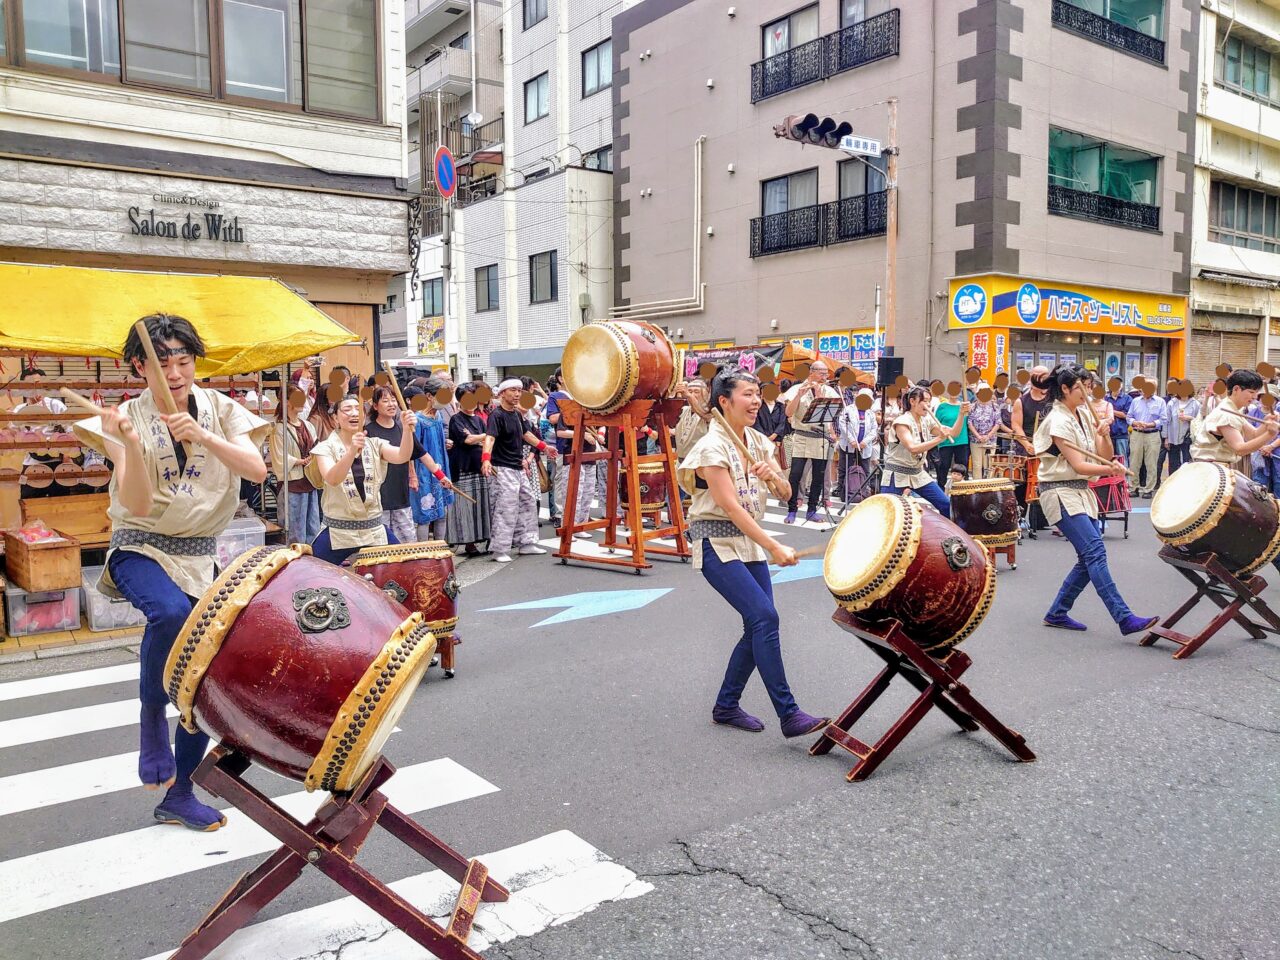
point(598, 364)
point(961, 487)
point(860, 562)
point(1189, 495)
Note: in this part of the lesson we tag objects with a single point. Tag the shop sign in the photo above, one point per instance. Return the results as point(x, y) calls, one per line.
point(1017, 303)
point(748, 359)
point(210, 225)
point(1002, 353)
point(431, 339)
point(834, 346)
point(864, 347)
point(1113, 364)
point(980, 349)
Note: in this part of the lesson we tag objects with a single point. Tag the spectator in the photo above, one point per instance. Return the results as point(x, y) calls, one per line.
point(384, 424)
point(429, 492)
point(467, 523)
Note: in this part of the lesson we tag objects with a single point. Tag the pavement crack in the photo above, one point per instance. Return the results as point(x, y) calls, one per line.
point(336, 954)
point(1173, 951)
point(1270, 676)
point(1214, 716)
point(821, 927)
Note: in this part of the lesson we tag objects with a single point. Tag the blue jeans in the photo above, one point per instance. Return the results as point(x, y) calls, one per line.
point(932, 492)
point(749, 591)
point(1121, 445)
point(1091, 566)
point(304, 516)
point(144, 584)
point(322, 547)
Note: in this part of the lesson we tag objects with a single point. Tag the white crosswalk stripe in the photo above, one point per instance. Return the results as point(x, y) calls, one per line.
point(62, 682)
point(37, 789)
point(69, 723)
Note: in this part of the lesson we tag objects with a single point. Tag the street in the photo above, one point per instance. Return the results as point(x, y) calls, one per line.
point(574, 746)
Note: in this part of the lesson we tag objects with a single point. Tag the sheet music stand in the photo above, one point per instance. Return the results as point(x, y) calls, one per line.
point(823, 414)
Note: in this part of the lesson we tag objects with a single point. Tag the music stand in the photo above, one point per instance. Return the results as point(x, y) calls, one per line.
point(823, 414)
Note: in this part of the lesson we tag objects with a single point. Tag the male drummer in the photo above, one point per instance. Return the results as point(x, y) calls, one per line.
point(174, 489)
point(513, 504)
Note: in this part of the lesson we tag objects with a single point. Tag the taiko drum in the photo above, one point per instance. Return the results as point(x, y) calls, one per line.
point(608, 364)
point(653, 488)
point(418, 575)
point(1210, 508)
point(987, 510)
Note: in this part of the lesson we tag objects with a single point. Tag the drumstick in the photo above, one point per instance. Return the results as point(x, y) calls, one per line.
point(1260, 422)
point(76, 400)
point(165, 397)
point(806, 552)
point(395, 384)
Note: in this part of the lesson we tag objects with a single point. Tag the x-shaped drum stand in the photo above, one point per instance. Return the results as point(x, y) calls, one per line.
point(330, 843)
point(938, 681)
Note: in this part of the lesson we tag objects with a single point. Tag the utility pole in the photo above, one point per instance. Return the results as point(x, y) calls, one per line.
point(891, 226)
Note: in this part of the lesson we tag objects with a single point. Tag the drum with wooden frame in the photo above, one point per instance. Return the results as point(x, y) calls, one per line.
point(608, 364)
point(892, 559)
point(987, 510)
point(300, 665)
point(421, 577)
point(1210, 508)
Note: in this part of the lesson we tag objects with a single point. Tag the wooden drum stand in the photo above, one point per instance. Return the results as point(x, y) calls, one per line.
point(330, 843)
point(938, 681)
point(623, 455)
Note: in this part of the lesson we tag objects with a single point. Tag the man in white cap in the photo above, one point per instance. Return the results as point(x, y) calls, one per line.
point(513, 503)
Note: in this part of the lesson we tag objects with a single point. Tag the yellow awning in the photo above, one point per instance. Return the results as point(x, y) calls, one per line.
point(247, 323)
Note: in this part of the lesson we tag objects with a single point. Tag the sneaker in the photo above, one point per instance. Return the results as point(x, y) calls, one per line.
point(529, 549)
point(502, 558)
point(582, 535)
point(790, 517)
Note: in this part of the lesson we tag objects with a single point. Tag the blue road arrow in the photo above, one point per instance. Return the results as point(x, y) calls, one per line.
point(804, 570)
point(581, 606)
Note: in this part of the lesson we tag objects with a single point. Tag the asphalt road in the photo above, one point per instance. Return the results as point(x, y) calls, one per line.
point(1148, 827)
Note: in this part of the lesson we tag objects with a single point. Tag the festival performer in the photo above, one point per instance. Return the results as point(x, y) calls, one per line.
point(294, 436)
point(809, 442)
point(732, 550)
point(168, 504)
point(905, 459)
point(353, 466)
point(513, 503)
point(1071, 506)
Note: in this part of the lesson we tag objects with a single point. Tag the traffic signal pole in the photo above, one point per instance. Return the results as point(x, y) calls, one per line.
point(891, 226)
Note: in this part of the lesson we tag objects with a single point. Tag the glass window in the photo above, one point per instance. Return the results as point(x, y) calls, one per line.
point(461, 43)
point(342, 57)
point(166, 42)
point(542, 277)
point(487, 288)
point(535, 11)
point(433, 297)
point(1242, 217)
point(855, 11)
point(74, 34)
point(790, 31)
point(857, 179)
point(791, 192)
point(3, 48)
point(597, 68)
point(537, 94)
point(262, 49)
point(1243, 67)
point(601, 159)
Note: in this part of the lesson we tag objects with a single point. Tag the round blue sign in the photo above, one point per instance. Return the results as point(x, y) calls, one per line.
point(969, 303)
point(446, 174)
point(1029, 303)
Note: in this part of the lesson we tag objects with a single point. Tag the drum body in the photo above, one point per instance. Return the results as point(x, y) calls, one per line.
point(891, 559)
point(987, 510)
point(653, 488)
point(418, 575)
point(1210, 508)
point(608, 364)
point(1112, 494)
point(1033, 479)
point(298, 664)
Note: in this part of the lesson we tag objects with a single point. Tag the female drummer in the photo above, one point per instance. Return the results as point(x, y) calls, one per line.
point(909, 445)
point(1070, 505)
point(732, 550)
point(353, 466)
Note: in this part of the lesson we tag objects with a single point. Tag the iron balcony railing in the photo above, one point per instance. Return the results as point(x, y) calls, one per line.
point(853, 218)
point(862, 43)
point(475, 139)
point(1103, 209)
point(1103, 30)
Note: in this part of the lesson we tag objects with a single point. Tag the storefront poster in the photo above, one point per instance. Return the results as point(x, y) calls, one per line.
point(834, 345)
point(431, 339)
point(749, 359)
point(803, 342)
point(1151, 365)
point(1026, 360)
point(1018, 303)
point(1049, 360)
point(1002, 354)
point(1067, 358)
point(1091, 363)
point(864, 348)
point(980, 349)
point(1112, 368)
point(1132, 367)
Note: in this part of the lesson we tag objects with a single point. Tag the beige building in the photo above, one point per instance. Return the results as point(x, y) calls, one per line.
point(1043, 185)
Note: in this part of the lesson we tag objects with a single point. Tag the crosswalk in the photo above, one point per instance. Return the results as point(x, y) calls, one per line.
point(553, 878)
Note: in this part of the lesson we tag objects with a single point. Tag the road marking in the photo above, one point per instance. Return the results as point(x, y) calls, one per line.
point(806, 569)
point(93, 868)
point(62, 682)
point(69, 723)
point(553, 879)
point(581, 606)
point(805, 524)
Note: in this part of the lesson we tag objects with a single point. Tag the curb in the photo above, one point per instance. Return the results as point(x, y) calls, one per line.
point(71, 649)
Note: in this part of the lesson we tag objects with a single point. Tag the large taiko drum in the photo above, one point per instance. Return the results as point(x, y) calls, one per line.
point(298, 664)
point(418, 575)
point(610, 363)
point(653, 488)
point(891, 559)
point(987, 510)
point(1210, 508)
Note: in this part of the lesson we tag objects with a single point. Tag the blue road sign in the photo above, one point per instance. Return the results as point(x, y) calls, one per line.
point(446, 174)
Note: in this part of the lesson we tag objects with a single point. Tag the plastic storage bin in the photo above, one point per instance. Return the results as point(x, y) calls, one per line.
point(101, 611)
point(30, 613)
point(242, 533)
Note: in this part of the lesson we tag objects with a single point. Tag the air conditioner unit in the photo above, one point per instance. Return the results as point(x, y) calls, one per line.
point(1144, 191)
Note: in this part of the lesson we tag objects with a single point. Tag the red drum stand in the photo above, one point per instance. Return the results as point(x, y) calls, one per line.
point(938, 681)
point(1232, 595)
point(330, 843)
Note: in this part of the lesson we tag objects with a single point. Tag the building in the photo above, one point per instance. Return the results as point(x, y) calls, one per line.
point(1236, 249)
point(1044, 167)
point(261, 138)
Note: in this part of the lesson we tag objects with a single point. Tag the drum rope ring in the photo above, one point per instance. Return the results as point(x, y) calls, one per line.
point(1259, 492)
point(957, 554)
point(321, 609)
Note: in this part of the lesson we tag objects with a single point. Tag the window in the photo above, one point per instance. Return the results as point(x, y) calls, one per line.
point(535, 11)
point(856, 11)
point(433, 297)
point(166, 42)
point(1144, 16)
point(263, 57)
point(1244, 218)
point(342, 57)
point(462, 42)
point(790, 31)
point(1134, 26)
point(597, 68)
point(857, 179)
point(487, 288)
point(390, 305)
point(3, 48)
point(537, 97)
point(1246, 69)
point(542, 277)
point(791, 192)
point(72, 34)
point(1103, 181)
point(601, 159)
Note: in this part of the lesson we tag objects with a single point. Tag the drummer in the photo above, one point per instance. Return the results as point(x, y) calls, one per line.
point(1070, 505)
point(353, 466)
point(733, 551)
point(174, 489)
point(913, 436)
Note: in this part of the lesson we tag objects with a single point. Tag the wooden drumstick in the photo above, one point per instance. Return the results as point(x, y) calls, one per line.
point(164, 398)
point(1087, 454)
point(1244, 416)
point(806, 552)
point(76, 400)
point(394, 384)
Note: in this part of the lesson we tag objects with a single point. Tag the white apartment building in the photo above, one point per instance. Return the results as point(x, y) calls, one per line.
point(1236, 244)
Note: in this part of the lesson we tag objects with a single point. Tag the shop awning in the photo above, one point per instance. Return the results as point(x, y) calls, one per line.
point(247, 323)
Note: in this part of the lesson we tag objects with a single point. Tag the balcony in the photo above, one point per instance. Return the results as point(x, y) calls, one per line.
point(853, 218)
point(425, 18)
point(856, 45)
point(1103, 30)
point(484, 137)
point(449, 71)
point(1103, 209)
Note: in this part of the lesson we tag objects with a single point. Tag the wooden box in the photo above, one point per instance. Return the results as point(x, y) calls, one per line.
point(41, 567)
point(83, 516)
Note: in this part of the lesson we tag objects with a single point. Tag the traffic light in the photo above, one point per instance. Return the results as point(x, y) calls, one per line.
point(810, 128)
